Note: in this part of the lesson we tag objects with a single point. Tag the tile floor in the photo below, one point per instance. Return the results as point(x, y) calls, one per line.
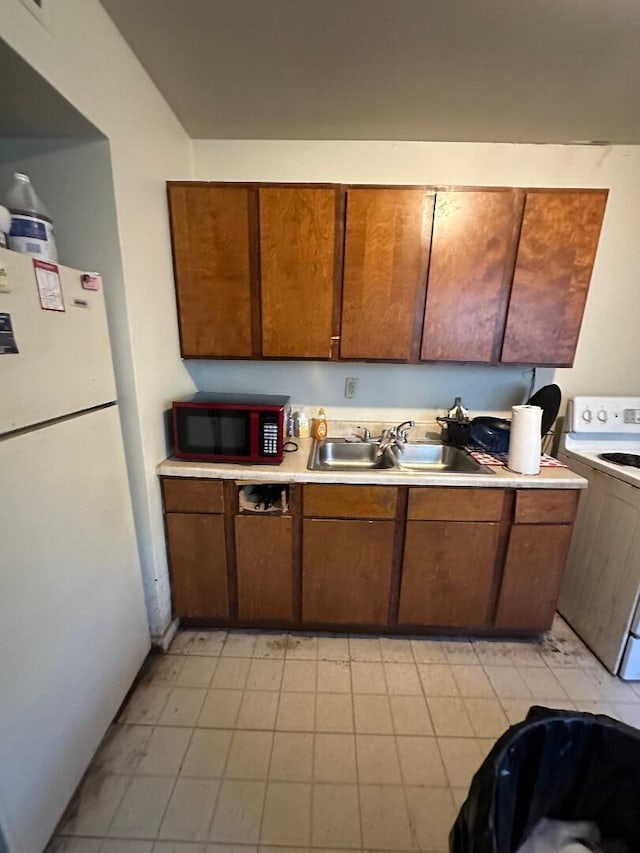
point(247, 741)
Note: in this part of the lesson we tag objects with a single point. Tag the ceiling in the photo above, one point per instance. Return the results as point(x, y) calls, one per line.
point(452, 70)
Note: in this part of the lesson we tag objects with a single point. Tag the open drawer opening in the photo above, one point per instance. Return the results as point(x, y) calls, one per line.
point(263, 498)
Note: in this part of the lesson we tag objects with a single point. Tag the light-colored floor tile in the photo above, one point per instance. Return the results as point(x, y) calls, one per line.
point(122, 749)
point(93, 806)
point(410, 715)
point(238, 812)
point(428, 651)
point(577, 685)
point(420, 761)
point(300, 676)
point(231, 673)
point(145, 705)
point(596, 707)
point(516, 709)
point(164, 751)
point(507, 682)
point(462, 757)
point(437, 680)
point(190, 810)
point(163, 669)
point(287, 814)
point(334, 758)
point(527, 654)
point(296, 712)
point(395, 650)
point(270, 646)
point(385, 821)
point(302, 647)
point(207, 753)
point(459, 797)
point(334, 712)
point(368, 677)
point(487, 717)
point(62, 844)
point(126, 845)
point(335, 817)
point(140, 811)
point(292, 757)
point(178, 847)
point(378, 760)
point(612, 689)
point(182, 642)
point(493, 653)
point(472, 682)
point(432, 812)
point(207, 643)
point(334, 677)
point(373, 714)
point(197, 671)
point(365, 649)
point(628, 712)
point(249, 755)
point(333, 648)
point(258, 710)
point(220, 709)
point(265, 675)
point(183, 707)
point(460, 651)
point(542, 682)
point(232, 848)
point(449, 716)
point(402, 679)
point(239, 645)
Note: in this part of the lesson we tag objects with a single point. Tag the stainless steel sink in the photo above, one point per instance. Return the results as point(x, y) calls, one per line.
point(340, 454)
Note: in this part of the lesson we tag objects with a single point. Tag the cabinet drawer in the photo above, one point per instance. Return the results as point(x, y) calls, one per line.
point(350, 501)
point(452, 504)
point(193, 495)
point(550, 506)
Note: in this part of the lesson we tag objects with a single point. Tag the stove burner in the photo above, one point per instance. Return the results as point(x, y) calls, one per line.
point(631, 459)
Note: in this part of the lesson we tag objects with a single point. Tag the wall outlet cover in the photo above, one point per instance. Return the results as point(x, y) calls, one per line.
point(350, 387)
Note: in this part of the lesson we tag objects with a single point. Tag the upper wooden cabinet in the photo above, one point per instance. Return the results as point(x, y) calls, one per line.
point(388, 232)
point(210, 231)
point(556, 253)
point(298, 255)
point(472, 252)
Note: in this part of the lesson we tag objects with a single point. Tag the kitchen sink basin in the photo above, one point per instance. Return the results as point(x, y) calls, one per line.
point(340, 454)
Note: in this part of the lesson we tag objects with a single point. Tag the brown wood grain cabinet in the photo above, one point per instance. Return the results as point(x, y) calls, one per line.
point(264, 565)
point(387, 238)
point(197, 560)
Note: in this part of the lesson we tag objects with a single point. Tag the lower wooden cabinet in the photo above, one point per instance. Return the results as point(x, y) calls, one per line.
point(264, 565)
point(196, 543)
point(346, 571)
point(447, 573)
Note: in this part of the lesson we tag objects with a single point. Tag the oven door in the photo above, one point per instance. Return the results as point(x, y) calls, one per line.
point(205, 433)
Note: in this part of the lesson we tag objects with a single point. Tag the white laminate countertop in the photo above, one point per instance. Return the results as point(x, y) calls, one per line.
point(294, 470)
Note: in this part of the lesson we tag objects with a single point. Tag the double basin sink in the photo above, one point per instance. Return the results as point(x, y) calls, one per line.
point(428, 457)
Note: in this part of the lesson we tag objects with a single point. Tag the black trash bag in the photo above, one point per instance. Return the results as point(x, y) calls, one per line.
point(557, 764)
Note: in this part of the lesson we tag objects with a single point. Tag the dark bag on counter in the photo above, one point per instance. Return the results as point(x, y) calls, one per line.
point(557, 764)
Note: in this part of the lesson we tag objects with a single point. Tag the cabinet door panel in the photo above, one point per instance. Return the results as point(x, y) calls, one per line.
point(388, 232)
point(346, 571)
point(198, 565)
point(297, 270)
point(455, 504)
point(210, 234)
point(264, 563)
point(192, 495)
point(447, 573)
point(329, 501)
point(557, 249)
point(535, 561)
point(472, 251)
point(555, 506)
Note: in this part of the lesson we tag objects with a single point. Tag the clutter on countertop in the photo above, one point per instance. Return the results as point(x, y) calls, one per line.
point(501, 460)
point(319, 427)
point(525, 439)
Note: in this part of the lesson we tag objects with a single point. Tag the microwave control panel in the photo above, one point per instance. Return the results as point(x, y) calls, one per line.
point(269, 436)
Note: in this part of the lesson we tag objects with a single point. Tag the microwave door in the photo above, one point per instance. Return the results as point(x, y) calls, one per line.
point(216, 433)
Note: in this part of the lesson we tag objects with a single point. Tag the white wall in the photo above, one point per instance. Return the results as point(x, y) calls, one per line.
point(83, 56)
point(606, 360)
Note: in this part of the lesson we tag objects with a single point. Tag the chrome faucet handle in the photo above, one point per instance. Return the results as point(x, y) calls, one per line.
point(402, 429)
point(365, 435)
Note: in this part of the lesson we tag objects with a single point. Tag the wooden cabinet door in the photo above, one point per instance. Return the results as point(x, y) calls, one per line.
point(557, 249)
point(535, 561)
point(387, 238)
point(198, 565)
point(264, 564)
point(298, 270)
point(346, 571)
point(210, 235)
point(447, 574)
point(472, 253)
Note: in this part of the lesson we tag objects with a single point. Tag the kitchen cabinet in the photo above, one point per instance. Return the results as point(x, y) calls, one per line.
point(264, 565)
point(387, 238)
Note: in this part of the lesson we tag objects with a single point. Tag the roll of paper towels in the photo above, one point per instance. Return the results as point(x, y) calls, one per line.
point(525, 439)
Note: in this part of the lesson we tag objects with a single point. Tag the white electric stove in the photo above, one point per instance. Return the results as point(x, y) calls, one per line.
point(601, 588)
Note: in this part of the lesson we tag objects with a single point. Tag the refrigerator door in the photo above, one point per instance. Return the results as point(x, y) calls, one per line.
point(73, 630)
point(63, 364)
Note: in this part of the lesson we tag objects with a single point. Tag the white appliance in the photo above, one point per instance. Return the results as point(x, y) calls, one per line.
point(73, 631)
point(601, 587)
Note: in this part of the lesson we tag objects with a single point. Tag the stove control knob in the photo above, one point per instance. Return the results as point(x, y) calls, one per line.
point(603, 417)
point(586, 415)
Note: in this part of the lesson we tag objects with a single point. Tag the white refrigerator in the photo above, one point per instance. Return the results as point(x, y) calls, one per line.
point(73, 629)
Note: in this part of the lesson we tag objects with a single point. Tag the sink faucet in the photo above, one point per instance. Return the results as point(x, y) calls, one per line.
point(365, 435)
point(394, 437)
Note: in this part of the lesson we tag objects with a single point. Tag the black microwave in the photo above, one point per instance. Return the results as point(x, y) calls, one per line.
point(230, 427)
